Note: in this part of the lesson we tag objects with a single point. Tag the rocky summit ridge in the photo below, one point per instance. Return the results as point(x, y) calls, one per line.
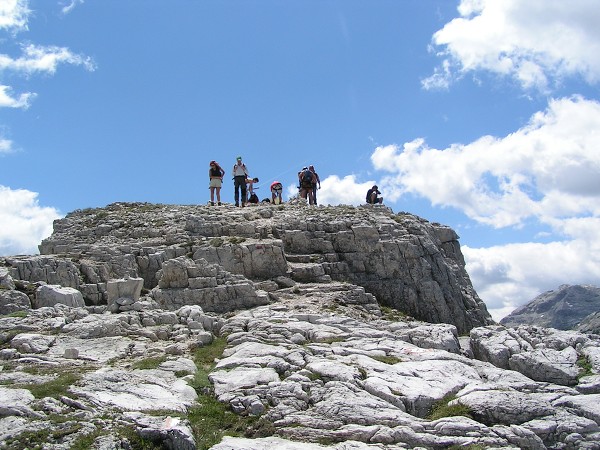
point(308, 328)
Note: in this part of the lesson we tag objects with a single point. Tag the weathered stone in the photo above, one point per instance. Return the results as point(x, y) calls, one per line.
point(12, 301)
point(129, 288)
point(50, 295)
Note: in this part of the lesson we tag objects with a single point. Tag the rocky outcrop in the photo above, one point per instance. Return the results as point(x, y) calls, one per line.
point(406, 262)
point(318, 315)
point(563, 308)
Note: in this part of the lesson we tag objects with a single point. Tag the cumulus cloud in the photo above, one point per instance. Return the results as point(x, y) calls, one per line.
point(508, 276)
point(347, 190)
point(536, 42)
point(338, 191)
point(546, 173)
point(547, 170)
point(23, 222)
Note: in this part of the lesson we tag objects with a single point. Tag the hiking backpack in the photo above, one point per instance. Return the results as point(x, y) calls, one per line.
point(307, 177)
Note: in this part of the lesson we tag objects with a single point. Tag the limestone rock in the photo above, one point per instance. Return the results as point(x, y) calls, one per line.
point(12, 301)
point(406, 262)
point(321, 311)
point(50, 295)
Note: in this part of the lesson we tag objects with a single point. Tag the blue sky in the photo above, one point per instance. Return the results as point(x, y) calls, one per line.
point(480, 114)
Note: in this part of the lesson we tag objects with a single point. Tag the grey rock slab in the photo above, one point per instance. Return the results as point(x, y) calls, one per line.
point(239, 378)
point(271, 443)
point(50, 295)
point(179, 365)
point(16, 402)
point(12, 301)
point(549, 365)
point(100, 350)
point(32, 342)
point(586, 405)
point(505, 407)
point(140, 390)
point(173, 433)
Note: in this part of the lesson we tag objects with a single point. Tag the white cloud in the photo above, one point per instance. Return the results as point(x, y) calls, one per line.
point(43, 59)
point(533, 41)
point(7, 101)
point(347, 191)
point(547, 170)
point(508, 276)
point(23, 222)
point(6, 146)
point(70, 6)
point(14, 15)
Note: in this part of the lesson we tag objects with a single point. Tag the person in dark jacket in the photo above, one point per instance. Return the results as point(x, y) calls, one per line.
point(373, 196)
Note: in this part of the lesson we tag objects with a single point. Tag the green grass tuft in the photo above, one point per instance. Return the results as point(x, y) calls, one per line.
point(442, 409)
point(149, 363)
point(586, 367)
point(55, 388)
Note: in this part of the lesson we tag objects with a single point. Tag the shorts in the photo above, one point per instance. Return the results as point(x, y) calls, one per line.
point(215, 183)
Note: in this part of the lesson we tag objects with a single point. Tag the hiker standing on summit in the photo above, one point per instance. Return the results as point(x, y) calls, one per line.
point(240, 173)
point(306, 178)
point(215, 175)
point(316, 180)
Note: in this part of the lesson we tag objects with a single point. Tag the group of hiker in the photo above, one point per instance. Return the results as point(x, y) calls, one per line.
point(308, 183)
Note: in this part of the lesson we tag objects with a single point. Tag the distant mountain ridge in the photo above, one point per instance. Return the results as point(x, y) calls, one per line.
point(570, 307)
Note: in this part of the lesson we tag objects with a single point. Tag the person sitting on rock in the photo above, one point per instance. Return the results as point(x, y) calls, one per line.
point(373, 196)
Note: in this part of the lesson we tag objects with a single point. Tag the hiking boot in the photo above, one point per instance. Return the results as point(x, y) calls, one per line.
point(212, 203)
point(219, 203)
point(237, 204)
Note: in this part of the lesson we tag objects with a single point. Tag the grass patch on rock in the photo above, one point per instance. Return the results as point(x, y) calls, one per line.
point(586, 367)
point(211, 419)
point(442, 409)
point(204, 358)
point(391, 360)
point(55, 388)
point(149, 363)
point(391, 314)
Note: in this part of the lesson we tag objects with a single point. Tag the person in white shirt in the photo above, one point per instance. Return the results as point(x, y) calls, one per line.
point(240, 173)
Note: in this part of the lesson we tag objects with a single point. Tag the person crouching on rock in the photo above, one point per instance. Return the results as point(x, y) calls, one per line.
point(215, 174)
point(373, 196)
